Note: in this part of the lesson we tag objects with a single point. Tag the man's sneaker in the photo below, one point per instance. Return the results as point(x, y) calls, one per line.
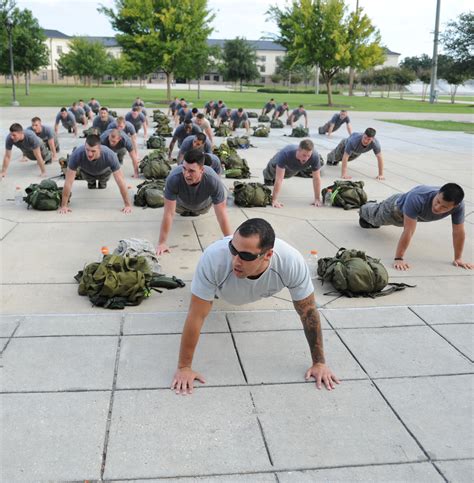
point(91, 185)
point(331, 162)
point(102, 185)
point(365, 224)
point(48, 161)
point(268, 182)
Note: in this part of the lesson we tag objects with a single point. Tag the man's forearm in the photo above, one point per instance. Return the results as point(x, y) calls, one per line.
point(380, 164)
point(345, 160)
point(317, 185)
point(277, 189)
point(52, 147)
point(309, 316)
point(39, 159)
point(6, 161)
point(459, 238)
point(165, 227)
point(223, 219)
point(403, 243)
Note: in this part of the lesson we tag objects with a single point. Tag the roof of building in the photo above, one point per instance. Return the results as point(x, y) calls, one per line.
point(55, 34)
point(390, 52)
point(257, 44)
point(105, 41)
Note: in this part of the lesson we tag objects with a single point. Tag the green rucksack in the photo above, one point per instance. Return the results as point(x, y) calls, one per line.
point(155, 166)
point(223, 151)
point(150, 193)
point(63, 162)
point(252, 115)
point(308, 171)
point(113, 113)
point(252, 194)
point(238, 142)
point(261, 131)
point(159, 115)
point(223, 131)
point(299, 132)
point(355, 274)
point(347, 194)
point(156, 142)
point(211, 121)
point(119, 281)
point(45, 196)
point(263, 118)
point(90, 130)
point(236, 167)
point(163, 130)
point(276, 123)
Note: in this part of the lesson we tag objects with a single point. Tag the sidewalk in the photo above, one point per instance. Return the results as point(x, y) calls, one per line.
point(85, 391)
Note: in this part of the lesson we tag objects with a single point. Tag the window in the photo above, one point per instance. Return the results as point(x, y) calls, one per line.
point(59, 49)
point(207, 77)
point(216, 78)
point(263, 58)
point(162, 77)
point(44, 75)
point(262, 68)
point(154, 76)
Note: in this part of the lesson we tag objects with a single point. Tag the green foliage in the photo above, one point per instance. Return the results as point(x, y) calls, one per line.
point(121, 67)
point(239, 61)
point(417, 64)
point(279, 90)
point(435, 125)
point(458, 41)
point(85, 59)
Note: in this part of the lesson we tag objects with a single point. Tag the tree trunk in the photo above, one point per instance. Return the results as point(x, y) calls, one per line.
point(351, 81)
point(199, 89)
point(424, 88)
point(453, 93)
point(240, 85)
point(316, 80)
point(27, 83)
point(328, 87)
point(168, 86)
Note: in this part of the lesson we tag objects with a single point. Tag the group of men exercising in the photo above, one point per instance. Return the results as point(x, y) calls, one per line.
point(249, 263)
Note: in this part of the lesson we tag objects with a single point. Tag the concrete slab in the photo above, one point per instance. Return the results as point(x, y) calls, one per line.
point(403, 351)
point(445, 314)
point(214, 425)
point(461, 471)
point(8, 324)
point(59, 364)
point(39, 325)
point(170, 322)
point(371, 317)
point(6, 226)
point(150, 361)
point(431, 407)
point(419, 472)
point(351, 425)
point(53, 437)
point(251, 478)
point(284, 356)
point(460, 335)
point(252, 321)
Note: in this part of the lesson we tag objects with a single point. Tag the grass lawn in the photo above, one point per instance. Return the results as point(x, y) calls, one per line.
point(57, 96)
point(436, 125)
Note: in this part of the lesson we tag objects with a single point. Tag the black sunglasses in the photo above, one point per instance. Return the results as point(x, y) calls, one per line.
point(245, 256)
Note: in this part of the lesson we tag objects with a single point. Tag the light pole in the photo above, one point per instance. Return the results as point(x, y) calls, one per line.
point(9, 26)
point(434, 64)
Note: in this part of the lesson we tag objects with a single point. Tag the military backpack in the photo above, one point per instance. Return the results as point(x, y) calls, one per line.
point(252, 115)
point(261, 131)
point(155, 165)
point(347, 194)
point(236, 167)
point(45, 196)
point(223, 131)
point(238, 142)
point(156, 142)
point(355, 274)
point(276, 123)
point(299, 132)
point(90, 130)
point(252, 194)
point(150, 193)
point(263, 118)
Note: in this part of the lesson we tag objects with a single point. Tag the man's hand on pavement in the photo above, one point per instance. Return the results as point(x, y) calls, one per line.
point(323, 375)
point(183, 381)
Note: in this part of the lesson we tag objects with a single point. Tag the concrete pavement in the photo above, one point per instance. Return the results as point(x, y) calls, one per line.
point(85, 391)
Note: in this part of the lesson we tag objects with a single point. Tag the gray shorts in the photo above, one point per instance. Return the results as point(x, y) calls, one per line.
point(180, 208)
point(335, 156)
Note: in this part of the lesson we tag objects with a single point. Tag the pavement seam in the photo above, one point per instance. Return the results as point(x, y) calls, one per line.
point(197, 236)
point(10, 230)
point(11, 337)
point(111, 403)
point(322, 234)
point(262, 432)
point(236, 350)
point(442, 336)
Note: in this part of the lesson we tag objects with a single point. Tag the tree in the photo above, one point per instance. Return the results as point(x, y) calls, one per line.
point(453, 72)
point(403, 78)
point(120, 68)
point(367, 79)
point(276, 78)
point(157, 34)
point(364, 46)
point(458, 41)
point(421, 67)
point(315, 33)
point(30, 52)
point(239, 61)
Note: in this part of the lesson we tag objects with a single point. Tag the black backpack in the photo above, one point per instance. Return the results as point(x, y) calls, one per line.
point(347, 194)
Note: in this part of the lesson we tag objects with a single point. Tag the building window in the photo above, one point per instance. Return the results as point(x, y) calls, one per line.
point(262, 68)
point(154, 76)
point(278, 58)
point(44, 75)
point(263, 58)
point(207, 77)
point(216, 78)
point(162, 77)
point(59, 49)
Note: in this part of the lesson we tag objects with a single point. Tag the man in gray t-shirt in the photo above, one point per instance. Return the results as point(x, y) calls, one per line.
point(78, 113)
point(46, 134)
point(352, 147)
point(102, 120)
point(296, 114)
point(120, 144)
point(187, 128)
point(335, 123)
point(30, 145)
point(97, 163)
point(138, 119)
point(288, 162)
point(67, 120)
point(190, 190)
point(224, 116)
point(239, 118)
point(268, 107)
point(198, 141)
point(280, 110)
point(127, 127)
point(250, 265)
point(420, 204)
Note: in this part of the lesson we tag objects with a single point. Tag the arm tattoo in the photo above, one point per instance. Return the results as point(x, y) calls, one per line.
point(309, 316)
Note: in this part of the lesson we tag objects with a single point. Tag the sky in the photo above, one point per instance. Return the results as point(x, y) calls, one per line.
point(406, 26)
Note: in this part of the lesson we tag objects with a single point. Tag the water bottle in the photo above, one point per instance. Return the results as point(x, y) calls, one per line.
point(18, 196)
point(312, 262)
point(105, 251)
point(327, 198)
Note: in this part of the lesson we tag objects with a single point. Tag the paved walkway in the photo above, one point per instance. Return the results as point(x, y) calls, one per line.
point(84, 391)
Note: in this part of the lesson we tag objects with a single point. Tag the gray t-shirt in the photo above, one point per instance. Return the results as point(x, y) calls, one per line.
point(68, 122)
point(187, 145)
point(102, 126)
point(269, 106)
point(194, 197)
point(129, 130)
point(354, 145)
point(417, 203)
point(297, 114)
point(86, 108)
point(124, 142)
point(214, 162)
point(224, 114)
point(78, 114)
point(26, 145)
point(107, 159)
point(214, 275)
point(94, 105)
point(137, 122)
point(281, 109)
point(46, 133)
point(286, 159)
point(234, 116)
point(180, 133)
point(338, 122)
